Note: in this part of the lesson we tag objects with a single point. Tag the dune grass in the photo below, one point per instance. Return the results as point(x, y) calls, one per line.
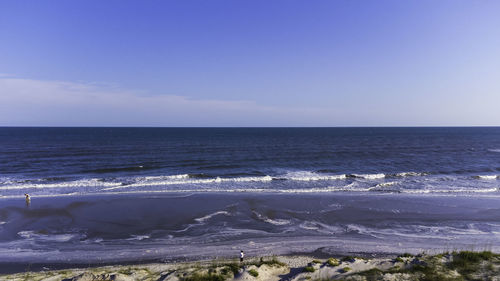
point(253, 272)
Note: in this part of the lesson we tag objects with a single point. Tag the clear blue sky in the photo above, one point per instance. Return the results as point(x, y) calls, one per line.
point(249, 63)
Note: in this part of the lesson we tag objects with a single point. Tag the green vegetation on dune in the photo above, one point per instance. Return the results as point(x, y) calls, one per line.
point(253, 272)
point(346, 269)
point(399, 259)
point(233, 267)
point(272, 262)
point(454, 266)
point(467, 262)
point(333, 262)
point(348, 259)
point(458, 266)
point(204, 277)
point(405, 255)
point(309, 269)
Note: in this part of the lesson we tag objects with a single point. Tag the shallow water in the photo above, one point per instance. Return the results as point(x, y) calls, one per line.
point(93, 229)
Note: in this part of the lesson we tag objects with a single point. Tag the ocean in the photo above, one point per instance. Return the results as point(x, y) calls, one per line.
point(128, 194)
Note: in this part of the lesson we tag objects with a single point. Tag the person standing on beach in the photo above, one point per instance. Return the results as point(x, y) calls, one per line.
point(28, 199)
point(242, 255)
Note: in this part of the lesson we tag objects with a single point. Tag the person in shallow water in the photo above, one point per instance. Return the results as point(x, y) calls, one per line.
point(242, 255)
point(28, 199)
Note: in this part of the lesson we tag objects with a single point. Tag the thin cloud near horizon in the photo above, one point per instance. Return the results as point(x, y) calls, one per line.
point(31, 102)
point(59, 103)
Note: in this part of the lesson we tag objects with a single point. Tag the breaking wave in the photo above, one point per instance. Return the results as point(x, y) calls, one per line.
point(309, 176)
point(184, 179)
point(368, 176)
point(288, 182)
point(77, 183)
point(487, 177)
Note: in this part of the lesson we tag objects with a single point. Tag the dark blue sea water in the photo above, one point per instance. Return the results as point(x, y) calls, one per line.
point(55, 161)
point(125, 194)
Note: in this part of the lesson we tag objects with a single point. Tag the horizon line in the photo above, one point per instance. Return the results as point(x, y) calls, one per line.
point(257, 127)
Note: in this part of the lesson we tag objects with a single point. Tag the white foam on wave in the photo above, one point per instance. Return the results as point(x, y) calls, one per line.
point(139, 237)
point(487, 177)
point(451, 190)
point(93, 241)
point(370, 176)
point(321, 227)
point(497, 150)
point(411, 231)
point(272, 221)
point(310, 176)
point(31, 235)
point(354, 187)
point(420, 231)
point(209, 216)
point(385, 184)
point(174, 180)
point(386, 187)
point(309, 225)
point(170, 177)
point(201, 220)
point(410, 174)
point(78, 183)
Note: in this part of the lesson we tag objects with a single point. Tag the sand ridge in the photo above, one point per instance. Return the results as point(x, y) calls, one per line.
point(463, 265)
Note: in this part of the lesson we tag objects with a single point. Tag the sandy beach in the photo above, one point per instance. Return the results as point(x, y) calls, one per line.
point(464, 265)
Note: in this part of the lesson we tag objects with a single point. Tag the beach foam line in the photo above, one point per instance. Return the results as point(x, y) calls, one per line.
point(321, 227)
point(183, 179)
point(31, 235)
point(368, 176)
point(309, 176)
point(181, 193)
point(486, 177)
point(209, 216)
point(385, 184)
point(78, 183)
point(407, 174)
point(271, 221)
point(457, 190)
point(138, 237)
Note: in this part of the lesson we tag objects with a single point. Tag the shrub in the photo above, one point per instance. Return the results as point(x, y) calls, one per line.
point(349, 259)
point(224, 271)
point(204, 277)
point(126, 271)
point(233, 267)
point(406, 255)
point(394, 269)
point(371, 273)
point(346, 269)
point(273, 262)
point(309, 269)
point(467, 261)
point(253, 272)
point(475, 256)
point(399, 259)
point(316, 261)
point(332, 262)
